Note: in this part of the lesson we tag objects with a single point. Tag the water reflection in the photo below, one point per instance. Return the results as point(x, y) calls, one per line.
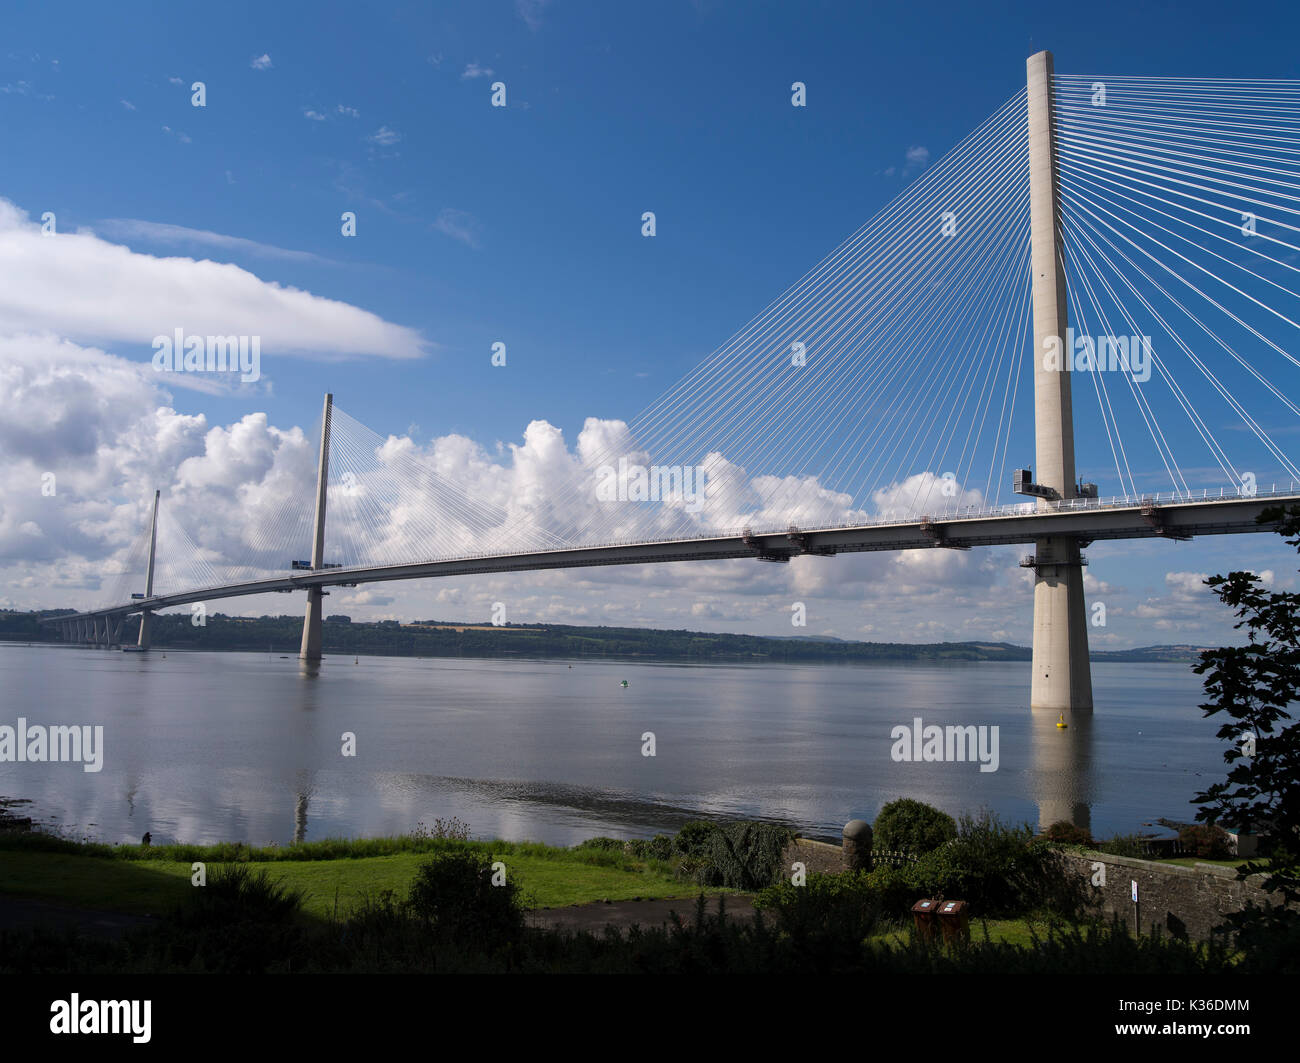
point(1062, 770)
point(206, 747)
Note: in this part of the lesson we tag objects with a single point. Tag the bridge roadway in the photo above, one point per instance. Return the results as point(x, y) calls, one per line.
point(1088, 520)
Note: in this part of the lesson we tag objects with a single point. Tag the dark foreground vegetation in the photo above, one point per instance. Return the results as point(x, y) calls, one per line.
point(459, 914)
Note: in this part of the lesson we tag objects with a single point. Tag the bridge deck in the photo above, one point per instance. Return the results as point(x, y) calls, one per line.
point(1084, 519)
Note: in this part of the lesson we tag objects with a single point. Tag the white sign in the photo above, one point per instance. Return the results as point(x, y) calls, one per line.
point(1135, 891)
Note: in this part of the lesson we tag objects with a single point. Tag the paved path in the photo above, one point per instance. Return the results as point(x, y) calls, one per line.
point(20, 913)
point(23, 913)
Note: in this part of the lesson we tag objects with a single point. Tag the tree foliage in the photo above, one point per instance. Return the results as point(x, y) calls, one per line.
point(1255, 686)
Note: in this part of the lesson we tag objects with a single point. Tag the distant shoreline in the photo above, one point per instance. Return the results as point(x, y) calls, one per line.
point(281, 635)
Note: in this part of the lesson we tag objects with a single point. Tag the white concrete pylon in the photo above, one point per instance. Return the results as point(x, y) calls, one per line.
point(311, 624)
point(146, 617)
point(1062, 677)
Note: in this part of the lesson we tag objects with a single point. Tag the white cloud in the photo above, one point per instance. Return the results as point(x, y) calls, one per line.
point(1187, 584)
point(181, 236)
point(315, 116)
point(85, 288)
point(384, 136)
point(473, 70)
point(459, 225)
point(127, 104)
point(348, 112)
point(531, 12)
point(261, 62)
point(108, 428)
point(917, 155)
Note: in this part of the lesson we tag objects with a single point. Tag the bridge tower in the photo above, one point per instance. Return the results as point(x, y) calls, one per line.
point(311, 625)
point(146, 617)
point(1062, 678)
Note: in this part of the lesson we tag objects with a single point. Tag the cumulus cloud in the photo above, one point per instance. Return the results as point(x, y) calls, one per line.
point(1186, 584)
point(384, 137)
point(261, 62)
point(87, 289)
point(473, 70)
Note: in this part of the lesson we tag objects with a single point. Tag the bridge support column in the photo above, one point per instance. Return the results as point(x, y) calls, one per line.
point(1062, 677)
point(311, 624)
point(146, 618)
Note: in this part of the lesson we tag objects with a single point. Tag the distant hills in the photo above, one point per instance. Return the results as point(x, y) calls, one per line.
point(441, 638)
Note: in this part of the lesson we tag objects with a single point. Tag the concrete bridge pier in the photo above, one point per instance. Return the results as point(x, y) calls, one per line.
point(311, 624)
point(146, 617)
point(1062, 676)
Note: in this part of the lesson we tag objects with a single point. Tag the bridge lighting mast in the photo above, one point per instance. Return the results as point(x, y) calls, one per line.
point(146, 617)
point(1062, 677)
point(311, 625)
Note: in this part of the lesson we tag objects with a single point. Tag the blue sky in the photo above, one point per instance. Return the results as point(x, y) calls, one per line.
point(522, 224)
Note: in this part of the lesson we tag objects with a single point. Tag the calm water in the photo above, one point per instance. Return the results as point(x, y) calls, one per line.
point(205, 747)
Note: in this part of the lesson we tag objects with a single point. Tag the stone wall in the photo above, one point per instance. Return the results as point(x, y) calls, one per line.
point(1183, 901)
point(815, 856)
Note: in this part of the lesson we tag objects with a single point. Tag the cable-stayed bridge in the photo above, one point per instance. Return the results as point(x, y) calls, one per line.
point(1106, 270)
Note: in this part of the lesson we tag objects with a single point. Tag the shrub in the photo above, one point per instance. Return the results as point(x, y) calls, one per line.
point(996, 868)
point(1206, 841)
point(845, 905)
point(694, 839)
point(1124, 845)
point(237, 893)
point(745, 855)
point(602, 843)
point(660, 847)
point(1269, 938)
point(442, 830)
point(1066, 833)
point(453, 892)
point(912, 827)
point(240, 922)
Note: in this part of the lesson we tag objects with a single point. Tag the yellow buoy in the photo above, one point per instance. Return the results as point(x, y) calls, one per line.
point(1061, 722)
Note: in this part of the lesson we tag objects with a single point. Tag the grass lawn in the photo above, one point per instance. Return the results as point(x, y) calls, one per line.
point(1010, 931)
point(1192, 861)
point(550, 878)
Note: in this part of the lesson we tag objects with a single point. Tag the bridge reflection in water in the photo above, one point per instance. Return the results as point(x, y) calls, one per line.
point(1063, 768)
